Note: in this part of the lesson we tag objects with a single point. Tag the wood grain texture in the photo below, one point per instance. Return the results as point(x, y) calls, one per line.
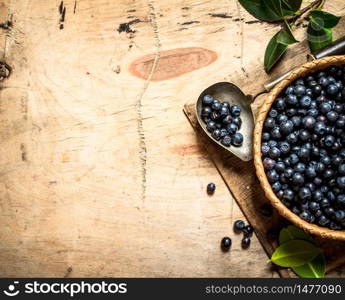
point(101, 174)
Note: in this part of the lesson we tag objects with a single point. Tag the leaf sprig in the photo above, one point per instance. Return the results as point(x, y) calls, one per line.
point(287, 13)
point(298, 251)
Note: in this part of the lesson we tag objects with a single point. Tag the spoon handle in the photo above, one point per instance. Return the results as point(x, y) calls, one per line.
point(335, 48)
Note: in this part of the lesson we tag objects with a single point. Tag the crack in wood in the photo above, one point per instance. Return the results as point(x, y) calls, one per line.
point(139, 106)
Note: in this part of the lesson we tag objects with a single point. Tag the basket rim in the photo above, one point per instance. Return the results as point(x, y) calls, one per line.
point(260, 118)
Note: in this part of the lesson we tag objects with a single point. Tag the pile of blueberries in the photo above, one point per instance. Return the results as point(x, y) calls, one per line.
point(222, 121)
point(303, 147)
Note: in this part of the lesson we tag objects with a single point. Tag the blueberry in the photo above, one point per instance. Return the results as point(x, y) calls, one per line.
point(237, 139)
point(339, 215)
point(320, 128)
point(231, 128)
point(265, 149)
point(298, 179)
point(245, 242)
point(310, 171)
point(332, 89)
point(216, 134)
point(317, 195)
point(332, 116)
point(211, 126)
point(238, 122)
point(341, 169)
point(291, 112)
point(288, 195)
point(225, 243)
point(276, 187)
point(239, 225)
point(275, 133)
point(313, 206)
point(300, 168)
point(291, 99)
point(272, 176)
point(317, 89)
point(317, 181)
point(308, 122)
point(226, 140)
point(248, 230)
point(304, 215)
point(223, 132)
point(280, 167)
point(341, 199)
point(313, 112)
point(323, 81)
point(280, 104)
point(282, 118)
point(289, 90)
point(216, 105)
point(207, 100)
point(304, 153)
point(235, 110)
point(215, 116)
point(286, 127)
point(284, 147)
point(293, 159)
point(224, 111)
point(206, 111)
point(341, 182)
point(305, 102)
point(211, 187)
point(299, 90)
point(226, 104)
point(336, 160)
point(227, 120)
point(304, 135)
point(269, 163)
point(304, 194)
point(323, 221)
point(329, 140)
point(328, 174)
point(325, 107)
point(292, 138)
point(273, 113)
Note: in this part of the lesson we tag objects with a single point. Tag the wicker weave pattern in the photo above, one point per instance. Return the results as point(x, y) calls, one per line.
point(260, 118)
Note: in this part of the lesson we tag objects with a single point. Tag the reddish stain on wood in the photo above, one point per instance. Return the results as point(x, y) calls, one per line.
point(193, 149)
point(172, 63)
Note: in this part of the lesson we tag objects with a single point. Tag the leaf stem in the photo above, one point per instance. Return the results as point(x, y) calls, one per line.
point(314, 4)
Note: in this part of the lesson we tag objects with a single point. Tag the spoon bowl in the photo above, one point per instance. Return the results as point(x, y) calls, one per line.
point(226, 91)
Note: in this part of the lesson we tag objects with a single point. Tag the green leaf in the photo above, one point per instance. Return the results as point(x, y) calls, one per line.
point(293, 233)
point(293, 5)
point(318, 37)
point(286, 36)
point(324, 19)
point(314, 269)
point(266, 10)
point(277, 47)
point(295, 253)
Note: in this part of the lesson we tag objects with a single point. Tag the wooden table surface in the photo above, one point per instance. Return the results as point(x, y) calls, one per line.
point(101, 173)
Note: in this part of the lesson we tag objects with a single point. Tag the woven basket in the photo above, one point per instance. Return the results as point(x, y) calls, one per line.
point(261, 116)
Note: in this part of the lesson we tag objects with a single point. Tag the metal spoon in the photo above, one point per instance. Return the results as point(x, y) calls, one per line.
point(226, 91)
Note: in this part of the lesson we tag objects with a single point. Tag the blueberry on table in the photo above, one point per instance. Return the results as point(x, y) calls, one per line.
point(207, 100)
point(226, 243)
point(248, 230)
point(239, 225)
point(211, 187)
point(245, 243)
